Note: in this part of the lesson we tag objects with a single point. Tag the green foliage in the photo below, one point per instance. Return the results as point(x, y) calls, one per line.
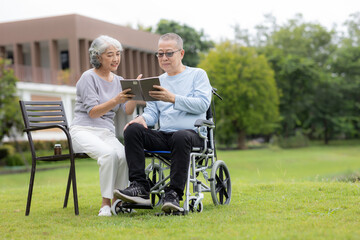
point(194, 41)
point(5, 151)
point(331, 114)
point(298, 53)
point(45, 145)
point(319, 80)
point(247, 84)
point(10, 116)
point(353, 30)
point(10, 152)
point(345, 65)
point(14, 160)
point(9, 156)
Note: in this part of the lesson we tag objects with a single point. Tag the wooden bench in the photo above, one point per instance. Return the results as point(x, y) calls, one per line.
point(41, 115)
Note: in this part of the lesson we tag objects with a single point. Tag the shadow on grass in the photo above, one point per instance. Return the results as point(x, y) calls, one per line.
point(345, 177)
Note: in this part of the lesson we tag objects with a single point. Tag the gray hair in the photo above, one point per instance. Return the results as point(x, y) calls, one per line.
point(172, 36)
point(99, 46)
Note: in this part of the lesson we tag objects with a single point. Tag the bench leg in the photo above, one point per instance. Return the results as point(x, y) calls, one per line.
point(67, 190)
point(31, 186)
point(73, 178)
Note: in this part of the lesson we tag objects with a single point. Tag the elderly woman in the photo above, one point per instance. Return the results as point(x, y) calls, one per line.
point(98, 98)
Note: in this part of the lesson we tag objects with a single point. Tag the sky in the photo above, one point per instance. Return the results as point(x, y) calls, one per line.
point(215, 18)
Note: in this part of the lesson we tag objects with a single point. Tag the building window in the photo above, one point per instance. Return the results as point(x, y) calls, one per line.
point(10, 55)
point(64, 58)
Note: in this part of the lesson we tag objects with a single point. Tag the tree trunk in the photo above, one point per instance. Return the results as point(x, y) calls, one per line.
point(242, 140)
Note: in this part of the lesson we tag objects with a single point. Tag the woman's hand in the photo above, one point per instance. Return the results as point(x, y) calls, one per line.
point(124, 96)
point(130, 106)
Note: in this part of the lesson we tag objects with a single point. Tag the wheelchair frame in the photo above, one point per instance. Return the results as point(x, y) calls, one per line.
point(201, 160)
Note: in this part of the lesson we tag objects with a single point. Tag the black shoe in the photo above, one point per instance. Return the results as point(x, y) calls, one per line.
point(135, 193)
point(171, 202)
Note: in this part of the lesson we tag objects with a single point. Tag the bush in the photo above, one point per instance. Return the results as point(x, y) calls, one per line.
point(5, 151)
point(14, 160)
point(297, 141)
point(10, 153)
point(40, 145)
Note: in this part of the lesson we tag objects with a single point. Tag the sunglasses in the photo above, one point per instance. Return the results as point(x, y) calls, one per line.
point(167, 54)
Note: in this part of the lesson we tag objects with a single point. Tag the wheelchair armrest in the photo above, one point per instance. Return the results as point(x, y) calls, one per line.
point(206, 123)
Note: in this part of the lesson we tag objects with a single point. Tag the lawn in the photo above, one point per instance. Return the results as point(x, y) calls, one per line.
point(277, 194)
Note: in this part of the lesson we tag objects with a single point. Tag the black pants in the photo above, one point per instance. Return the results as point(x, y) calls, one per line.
point(180, 143)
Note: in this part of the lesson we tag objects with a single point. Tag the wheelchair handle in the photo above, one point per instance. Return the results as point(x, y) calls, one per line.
point(214, 91)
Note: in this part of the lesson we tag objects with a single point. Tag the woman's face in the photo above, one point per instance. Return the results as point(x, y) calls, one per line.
point(110, 59)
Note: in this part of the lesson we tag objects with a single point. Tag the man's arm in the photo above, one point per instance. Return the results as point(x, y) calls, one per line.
point(196, 104)
point(199, 101)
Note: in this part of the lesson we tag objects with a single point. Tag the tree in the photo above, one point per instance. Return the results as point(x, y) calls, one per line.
point(326, 118)
point(247, 83)
point(317, 73)
point(9, 107)
point(194, 42)
point(298, 53)
point(345, 65)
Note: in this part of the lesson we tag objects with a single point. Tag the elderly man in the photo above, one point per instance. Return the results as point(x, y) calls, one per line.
point(184, 96)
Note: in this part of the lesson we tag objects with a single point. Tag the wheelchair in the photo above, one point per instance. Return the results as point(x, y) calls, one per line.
point(206, 173)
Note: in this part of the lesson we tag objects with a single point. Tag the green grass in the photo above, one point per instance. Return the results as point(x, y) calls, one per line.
point(277, 194)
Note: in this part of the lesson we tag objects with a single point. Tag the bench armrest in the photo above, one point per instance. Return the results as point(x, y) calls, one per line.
point(46, 127)
point(64, 129)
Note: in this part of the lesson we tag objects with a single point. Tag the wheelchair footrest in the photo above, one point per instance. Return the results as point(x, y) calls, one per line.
point(136, 206)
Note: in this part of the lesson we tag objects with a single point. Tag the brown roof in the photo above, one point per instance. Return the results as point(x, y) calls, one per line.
point(73, 25)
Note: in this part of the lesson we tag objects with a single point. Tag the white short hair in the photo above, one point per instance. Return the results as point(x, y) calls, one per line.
point(172, 36)
point(99, 46)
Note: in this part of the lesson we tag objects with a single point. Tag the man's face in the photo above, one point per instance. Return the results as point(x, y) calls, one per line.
point(172, 65)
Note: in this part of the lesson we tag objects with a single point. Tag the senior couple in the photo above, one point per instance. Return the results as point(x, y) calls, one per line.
point(184, 96)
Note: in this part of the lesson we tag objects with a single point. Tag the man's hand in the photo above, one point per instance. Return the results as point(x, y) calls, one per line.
point(139, 120)
point(162, 94)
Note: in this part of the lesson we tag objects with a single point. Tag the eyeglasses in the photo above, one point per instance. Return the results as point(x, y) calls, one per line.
point(167, 54)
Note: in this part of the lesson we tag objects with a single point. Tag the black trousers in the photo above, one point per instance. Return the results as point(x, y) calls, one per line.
point(137, 138)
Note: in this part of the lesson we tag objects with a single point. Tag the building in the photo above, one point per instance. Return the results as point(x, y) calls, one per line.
point(49, 55)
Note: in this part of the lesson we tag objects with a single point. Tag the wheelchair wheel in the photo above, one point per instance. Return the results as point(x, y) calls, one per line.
point(153, 178)
point(220, 184)
point(199, 207)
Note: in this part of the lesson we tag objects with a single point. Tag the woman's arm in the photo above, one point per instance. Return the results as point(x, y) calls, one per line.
point(101, 109)
point(122, 97)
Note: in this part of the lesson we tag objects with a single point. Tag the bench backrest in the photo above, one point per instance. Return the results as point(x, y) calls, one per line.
point(43, 113)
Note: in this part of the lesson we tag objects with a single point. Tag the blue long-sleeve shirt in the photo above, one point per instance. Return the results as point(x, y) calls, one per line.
point(192, 91)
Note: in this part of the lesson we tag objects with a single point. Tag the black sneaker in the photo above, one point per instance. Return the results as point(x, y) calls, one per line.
point(135, 193)
point(171, 202)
